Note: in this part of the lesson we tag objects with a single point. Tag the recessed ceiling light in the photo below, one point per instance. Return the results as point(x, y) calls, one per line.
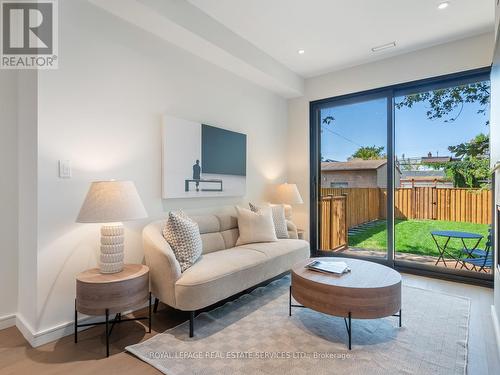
point(301, 51)
point(384, 46)
point(443, 5)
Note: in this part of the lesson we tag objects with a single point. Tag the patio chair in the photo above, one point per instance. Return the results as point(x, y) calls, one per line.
point(480, 253)
point(482, 258)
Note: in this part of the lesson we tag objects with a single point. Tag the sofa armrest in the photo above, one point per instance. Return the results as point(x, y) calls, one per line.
point(292, 229)
point(164, 269)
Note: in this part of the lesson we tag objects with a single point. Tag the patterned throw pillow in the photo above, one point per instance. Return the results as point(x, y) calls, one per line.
point(183, 236)
point(279, 220)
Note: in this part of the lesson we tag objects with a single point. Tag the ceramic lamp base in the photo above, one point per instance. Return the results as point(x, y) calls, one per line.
point(112, 245)
point(288, 211)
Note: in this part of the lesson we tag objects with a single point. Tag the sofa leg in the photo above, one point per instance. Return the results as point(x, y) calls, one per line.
point(191, 323)
point(155, 308)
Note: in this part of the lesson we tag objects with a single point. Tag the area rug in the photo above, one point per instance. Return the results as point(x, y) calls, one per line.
point(255, 335)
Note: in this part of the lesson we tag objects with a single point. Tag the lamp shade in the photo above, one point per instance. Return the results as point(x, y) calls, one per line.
point(111, 201)
point(288, 194)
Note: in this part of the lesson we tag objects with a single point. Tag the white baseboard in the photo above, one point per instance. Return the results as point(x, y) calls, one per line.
point(25, 328)
point(496, 326)
point(56, 332)
point(7, 321)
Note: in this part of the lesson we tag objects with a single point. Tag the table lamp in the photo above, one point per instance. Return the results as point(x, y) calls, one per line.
point(287, 194)
point(110, 203)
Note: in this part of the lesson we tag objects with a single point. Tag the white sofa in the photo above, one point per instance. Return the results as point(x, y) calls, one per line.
point(223, 269)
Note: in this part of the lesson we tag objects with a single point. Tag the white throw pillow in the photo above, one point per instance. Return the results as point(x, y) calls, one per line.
point(183, 236)
point(279, 219)
point(255, 226)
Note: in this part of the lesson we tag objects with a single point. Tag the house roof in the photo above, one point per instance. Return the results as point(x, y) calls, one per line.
point(433, 173)
point(353, 165)
point(424, 176)
point(436, 159)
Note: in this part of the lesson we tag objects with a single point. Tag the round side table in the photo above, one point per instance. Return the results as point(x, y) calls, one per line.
point(105, 294)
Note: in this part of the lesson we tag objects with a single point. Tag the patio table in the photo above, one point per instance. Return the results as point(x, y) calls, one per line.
point(449, 234)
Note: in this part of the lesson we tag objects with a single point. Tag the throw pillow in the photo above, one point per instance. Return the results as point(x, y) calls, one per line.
point(279, 218)
point(255, 226)
point(183, 236)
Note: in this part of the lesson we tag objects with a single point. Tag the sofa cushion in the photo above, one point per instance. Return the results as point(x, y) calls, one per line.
point(215, 223)
point(220, 264)
point(281, 247)
point(221, 274)
point(212, 242)
point(218, 232)
point(230, 237)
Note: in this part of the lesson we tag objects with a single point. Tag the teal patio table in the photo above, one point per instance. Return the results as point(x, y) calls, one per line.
point(462, 236)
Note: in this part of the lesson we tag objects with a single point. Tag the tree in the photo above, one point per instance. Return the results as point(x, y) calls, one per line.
point(450, 101)
point(369, 152)
point(469, 173)
point(479, 146)
point(328, 119)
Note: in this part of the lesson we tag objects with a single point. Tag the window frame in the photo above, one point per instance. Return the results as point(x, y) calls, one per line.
point(391, 92)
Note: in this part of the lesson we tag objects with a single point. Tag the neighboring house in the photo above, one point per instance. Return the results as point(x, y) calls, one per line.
point(356, 173)
point(429, 159)
point(431, 178)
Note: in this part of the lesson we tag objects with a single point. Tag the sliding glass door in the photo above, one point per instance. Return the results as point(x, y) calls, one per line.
point(443, 198)
point(353, 176)
point(400, 175)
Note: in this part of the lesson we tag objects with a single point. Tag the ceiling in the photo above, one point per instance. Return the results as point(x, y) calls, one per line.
point(336, 34)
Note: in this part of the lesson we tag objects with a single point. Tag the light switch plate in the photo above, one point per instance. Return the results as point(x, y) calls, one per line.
point(64, 169)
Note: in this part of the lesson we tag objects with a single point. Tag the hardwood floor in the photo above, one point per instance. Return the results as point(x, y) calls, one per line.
point(88, 356)
point(483, 356)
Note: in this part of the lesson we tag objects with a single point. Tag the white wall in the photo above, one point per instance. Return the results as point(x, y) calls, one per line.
point(102, 110)
point(8, 197)
point(27, 194)
point(453, 57)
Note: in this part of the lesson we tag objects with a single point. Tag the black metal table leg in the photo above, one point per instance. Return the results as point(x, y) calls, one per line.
point(442, 250)
point(290, 305)
point(76, 324)
point(191, 323)
point(117, 319)
point(348, 326)
point(107, 335)
point(149, 311)
point(400, 316)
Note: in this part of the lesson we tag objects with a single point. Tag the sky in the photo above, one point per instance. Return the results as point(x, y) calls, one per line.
point(364, 124)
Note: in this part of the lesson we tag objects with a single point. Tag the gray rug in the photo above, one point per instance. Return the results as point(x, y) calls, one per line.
point(255, 335)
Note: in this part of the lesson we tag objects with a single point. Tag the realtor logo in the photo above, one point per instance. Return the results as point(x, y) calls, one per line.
point(29, 35)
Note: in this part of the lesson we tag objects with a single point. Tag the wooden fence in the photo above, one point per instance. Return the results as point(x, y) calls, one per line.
point(333, 220)
point(463, 205)
point(362, 205)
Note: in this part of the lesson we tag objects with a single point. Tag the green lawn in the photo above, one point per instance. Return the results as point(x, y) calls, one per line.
point(413, 236)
